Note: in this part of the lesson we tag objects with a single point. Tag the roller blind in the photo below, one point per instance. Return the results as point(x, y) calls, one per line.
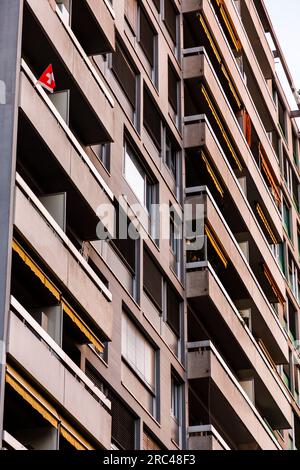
point(125, 73)
point(152, 280)
point(152, 120)
point(173, 309)
point(170, 19)
point(147, 34)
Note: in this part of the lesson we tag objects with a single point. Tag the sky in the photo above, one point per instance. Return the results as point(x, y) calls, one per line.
point(285, 15)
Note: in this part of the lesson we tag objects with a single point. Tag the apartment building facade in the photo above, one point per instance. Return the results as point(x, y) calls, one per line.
point(159, 338)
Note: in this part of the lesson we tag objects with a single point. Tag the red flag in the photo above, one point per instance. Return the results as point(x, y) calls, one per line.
point(47, 79)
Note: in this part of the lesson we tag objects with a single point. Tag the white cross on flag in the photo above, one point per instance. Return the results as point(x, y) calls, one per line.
point(47, 79)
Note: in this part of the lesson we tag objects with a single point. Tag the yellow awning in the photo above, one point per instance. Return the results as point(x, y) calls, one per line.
point(210, 39)
point(29, 394)
point(229, 25)
point(73, 437)
point(212, 174)
point(231, 86)
point(267, 171)
point(216, 245)
point(35, 269)
point(82, 326)
point(219, 59)
point(46, 410)
point(266, 223)
point(273, 285)
point(218, 121)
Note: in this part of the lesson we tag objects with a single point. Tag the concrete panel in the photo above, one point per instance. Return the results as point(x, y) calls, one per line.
point(40, 235)
point(211, 288)
point(64, 266)
point(33, 354)
point(205, 363)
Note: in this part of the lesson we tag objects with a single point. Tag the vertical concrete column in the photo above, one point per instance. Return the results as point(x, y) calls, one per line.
point(10, 51)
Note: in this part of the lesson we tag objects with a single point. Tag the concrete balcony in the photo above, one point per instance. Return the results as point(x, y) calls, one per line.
point(196, 68)
point(205, 438)
point(217, 312)
point(191, 8)
point(93, 24)
point(228, 401)
point(62, 258)
point(62, 379)
point(52, 133)
point(240, 274)
point(252, 35)
point(198, 134)
point(91, 105)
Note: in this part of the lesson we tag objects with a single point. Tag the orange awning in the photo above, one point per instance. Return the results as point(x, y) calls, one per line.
point(266, 169)
point(273, 285)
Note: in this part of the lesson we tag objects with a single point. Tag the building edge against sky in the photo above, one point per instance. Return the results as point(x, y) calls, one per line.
point(150, 341)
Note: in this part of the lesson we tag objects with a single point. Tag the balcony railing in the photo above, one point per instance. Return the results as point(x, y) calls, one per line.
point(200, 433)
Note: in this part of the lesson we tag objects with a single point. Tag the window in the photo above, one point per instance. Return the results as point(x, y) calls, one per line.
point(282, 118)
point(138, 352)
point(152, 119)
point(173, 93)
point(128, 79)
point(152, 280)
point(144, 187)
point(175, 241)
point(286, 216)
point(287, 171)
point(176, 407)
point(173, 309)
point(134, 175)
point(127, 248)
point(292, 275)
point(102, 151)
point(148, 40)
point(279, 253)
point(170, 19)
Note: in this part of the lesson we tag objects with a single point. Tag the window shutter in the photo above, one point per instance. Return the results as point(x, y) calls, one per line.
point(152, 120)
point(149, 443)
point(147, 34)
point(125, 74)
point(170, 19)
point(152, 280)
point(173, 310)
point(172, 84)
point(157, 5)
point(123, 424)
point(131, 13)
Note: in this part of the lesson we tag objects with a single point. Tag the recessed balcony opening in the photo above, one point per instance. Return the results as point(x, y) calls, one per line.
point(87, 29)
point(35, 288)
point(68, 98)
point(26, 424)
point(48, 181)
point(209, 406)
